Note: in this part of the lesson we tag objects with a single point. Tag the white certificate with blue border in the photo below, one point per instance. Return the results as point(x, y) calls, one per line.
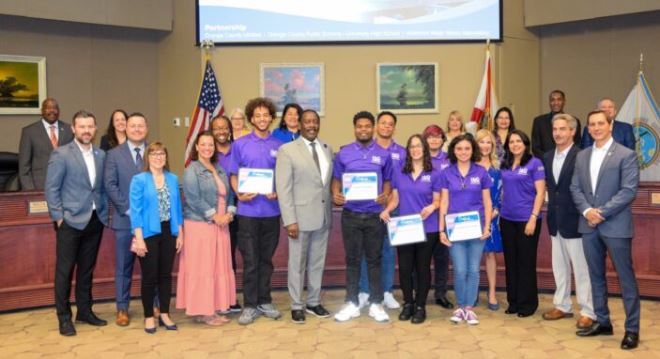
point(360, 186)
point(406, 229)
point(255, 180)
point(463, 226)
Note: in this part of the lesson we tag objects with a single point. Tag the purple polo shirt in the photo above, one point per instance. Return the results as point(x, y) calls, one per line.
point(414, 195)
point(440, 161)
point(252, 151)
point(465, 192)
point(518, 190)
point(224, 160)
point(397, 155)
point(357, 158)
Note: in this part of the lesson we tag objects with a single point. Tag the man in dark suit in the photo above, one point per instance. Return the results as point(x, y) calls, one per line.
point(122, 163)
point(563, 220)
point(77, 203)
point(622, 132)
point(603, 187)
point(37, 142)
point(542, 140)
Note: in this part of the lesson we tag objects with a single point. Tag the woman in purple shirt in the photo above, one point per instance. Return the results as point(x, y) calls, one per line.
point(416, 190)
point(523, 187)
point(465, 188)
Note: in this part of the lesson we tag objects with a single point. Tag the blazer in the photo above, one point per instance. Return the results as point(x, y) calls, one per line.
point(302, 196)
point(143, 201)
point(34, 150)
point(201, 192)
point(69, 194)
point(119, 170)
point(562, 216)
point(622, 133)
point(618, 179)
point(542, 140)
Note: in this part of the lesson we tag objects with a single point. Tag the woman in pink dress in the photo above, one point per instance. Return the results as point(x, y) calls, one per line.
point(206, 283)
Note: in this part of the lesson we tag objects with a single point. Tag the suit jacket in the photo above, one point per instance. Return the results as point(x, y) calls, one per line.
point(34, 150)
point(302, 196)
point(145, 212)
point(618, 179)
point(119, 170)
point(622, 133)
point(542, 140)
point(562, 216)
point(69, 193)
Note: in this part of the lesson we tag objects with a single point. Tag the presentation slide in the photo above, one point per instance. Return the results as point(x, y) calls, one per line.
point(336, 21)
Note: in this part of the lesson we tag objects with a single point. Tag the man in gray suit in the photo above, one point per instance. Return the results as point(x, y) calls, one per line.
point(303, 174)
point(77, 203)
point(37, 142)
point(603, 187)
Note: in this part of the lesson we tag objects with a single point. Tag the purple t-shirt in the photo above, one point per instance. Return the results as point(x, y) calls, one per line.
point(465, 193)
point(440, 161)
point(397, 155)
point(252, 151)
point(414, 195)
point(357, 158)
point(518, 190)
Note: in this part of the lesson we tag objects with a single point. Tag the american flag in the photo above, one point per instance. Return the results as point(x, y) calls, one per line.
point(209, 105)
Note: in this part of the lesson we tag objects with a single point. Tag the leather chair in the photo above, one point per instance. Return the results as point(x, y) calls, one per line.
point(9, 172)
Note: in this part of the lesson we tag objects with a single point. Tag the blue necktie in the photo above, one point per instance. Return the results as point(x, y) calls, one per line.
point(138, 159)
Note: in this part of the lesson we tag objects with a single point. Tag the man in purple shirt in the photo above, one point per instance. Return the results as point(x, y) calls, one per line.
point(362, 229)
point(385, 127)
point(258, 215)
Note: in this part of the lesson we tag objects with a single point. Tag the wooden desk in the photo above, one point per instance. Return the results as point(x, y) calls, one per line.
point(27, 254)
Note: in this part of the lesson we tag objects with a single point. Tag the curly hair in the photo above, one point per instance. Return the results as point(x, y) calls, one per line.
point(254, 103)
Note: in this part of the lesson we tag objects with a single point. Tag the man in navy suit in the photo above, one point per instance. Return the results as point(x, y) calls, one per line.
point(122, 163)
point(622, 132)
point(77, 203)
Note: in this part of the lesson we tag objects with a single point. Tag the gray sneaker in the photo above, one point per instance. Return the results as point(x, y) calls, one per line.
point(269, 311)
point(248, 316)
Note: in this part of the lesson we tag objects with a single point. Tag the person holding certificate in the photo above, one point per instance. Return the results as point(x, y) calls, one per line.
point(523, 192)
point(465, 215)
point(361, 183)
point(252, 167)
point(416, 190)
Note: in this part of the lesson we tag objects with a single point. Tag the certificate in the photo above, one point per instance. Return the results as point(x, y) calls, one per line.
point(255, 180)
point(406, 229)
point(463, 226)
point(359, 186)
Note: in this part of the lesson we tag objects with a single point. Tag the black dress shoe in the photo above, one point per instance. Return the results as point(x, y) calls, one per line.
point(524, 315)
point(318, 311)
point(91, 319)
point(444, 302)
point(406, 311)
point(511, 311)
point(630, 341)
point(67, 329)
point(420, 316)
point(298, 316)
point(595, 329)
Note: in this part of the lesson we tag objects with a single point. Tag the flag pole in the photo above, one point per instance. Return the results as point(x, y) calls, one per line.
point(638, 109)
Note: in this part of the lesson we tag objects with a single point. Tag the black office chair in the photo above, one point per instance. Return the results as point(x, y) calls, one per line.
point(9, 172)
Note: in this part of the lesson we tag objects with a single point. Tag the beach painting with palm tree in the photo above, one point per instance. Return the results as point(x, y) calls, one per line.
point(407, 87)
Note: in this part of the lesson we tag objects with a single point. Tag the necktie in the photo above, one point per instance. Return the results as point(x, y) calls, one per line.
point(315, 155)
point(53, 136)
point(138, 159)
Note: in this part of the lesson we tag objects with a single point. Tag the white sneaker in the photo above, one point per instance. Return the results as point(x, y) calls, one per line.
point(363, 299)
point(377, 312)
point(389, 301)
point(348, 312)
point(471, 317)
point(457, 316)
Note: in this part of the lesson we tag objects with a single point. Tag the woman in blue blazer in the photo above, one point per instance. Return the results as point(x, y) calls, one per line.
point(156, 220)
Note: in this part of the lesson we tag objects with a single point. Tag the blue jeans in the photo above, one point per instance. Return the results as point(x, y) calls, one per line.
point(386, 268)
point(466, 257)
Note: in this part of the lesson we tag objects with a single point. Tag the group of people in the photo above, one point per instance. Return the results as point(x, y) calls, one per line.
point(501, 175)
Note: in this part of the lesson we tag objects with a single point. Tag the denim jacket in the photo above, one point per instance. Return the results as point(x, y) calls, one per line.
point(201, 192)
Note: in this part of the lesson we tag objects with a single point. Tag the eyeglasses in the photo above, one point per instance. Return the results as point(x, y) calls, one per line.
point(157, 154)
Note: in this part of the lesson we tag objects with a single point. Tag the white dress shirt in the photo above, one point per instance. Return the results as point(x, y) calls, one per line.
point(558, 162)
point(47, 127)
point(323, 162)
point(597, 158)
point(88, 157)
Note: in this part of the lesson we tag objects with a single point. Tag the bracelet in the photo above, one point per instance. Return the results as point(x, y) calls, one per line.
point(535, 215)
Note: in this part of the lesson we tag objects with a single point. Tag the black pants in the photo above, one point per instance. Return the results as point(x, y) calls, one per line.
point(233, 240)
point(441, 269)
point(520, 261)
point(76, 249)
point(156, 268)
point(363, 236)
point(257, 240)
point(415, 259)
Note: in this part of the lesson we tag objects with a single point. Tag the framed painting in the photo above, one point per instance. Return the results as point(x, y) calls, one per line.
point(407, 87)
point(22, 84)
point(294, 83)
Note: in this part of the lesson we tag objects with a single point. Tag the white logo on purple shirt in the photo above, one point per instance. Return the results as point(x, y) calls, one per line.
point(273, 153)
point(522, 171)
point(444, 165)
point(395, 156)
point(375, 159)
point(475, 180)
point(426, 178)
